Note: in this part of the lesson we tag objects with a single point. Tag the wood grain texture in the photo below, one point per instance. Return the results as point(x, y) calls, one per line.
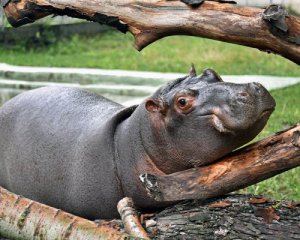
point(150, 20)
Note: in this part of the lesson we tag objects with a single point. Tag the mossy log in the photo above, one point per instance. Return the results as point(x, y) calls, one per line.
point(270, 30)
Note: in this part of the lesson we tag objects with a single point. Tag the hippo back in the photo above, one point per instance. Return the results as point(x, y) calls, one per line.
point(52, 140)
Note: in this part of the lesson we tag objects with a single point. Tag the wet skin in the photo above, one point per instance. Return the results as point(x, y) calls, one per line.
point(77, 151)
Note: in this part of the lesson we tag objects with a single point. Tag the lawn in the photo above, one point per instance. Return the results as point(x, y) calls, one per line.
point(175, 54)
point(113, 50)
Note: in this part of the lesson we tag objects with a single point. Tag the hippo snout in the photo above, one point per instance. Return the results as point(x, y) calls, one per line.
point(245, 107)
point(255, 95)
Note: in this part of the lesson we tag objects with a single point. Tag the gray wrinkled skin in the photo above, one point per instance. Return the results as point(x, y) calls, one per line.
point(77, 151)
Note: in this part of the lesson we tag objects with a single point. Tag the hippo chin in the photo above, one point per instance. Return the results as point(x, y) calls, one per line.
point(77, 151)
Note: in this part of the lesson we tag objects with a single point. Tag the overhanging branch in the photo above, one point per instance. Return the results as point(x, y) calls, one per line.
point(150, 20)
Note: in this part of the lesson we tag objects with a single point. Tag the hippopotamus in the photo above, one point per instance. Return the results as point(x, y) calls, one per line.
point(80, 152)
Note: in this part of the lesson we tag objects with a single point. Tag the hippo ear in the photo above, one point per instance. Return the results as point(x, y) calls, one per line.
point(152, 105)
point(211, 76)
point(193, 72)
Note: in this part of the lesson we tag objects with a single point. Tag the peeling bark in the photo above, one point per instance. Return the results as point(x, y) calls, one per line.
point(244, 167)
point(151, 20)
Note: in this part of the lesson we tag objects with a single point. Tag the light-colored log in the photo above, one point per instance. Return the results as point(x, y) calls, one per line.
point(21, 218)
point(131, 219)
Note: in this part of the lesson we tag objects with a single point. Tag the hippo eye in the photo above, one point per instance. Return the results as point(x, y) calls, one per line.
point(182, 102)
point(185, 103)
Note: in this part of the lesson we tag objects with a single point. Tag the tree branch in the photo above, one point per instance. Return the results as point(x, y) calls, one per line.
point(247, 166)
point(21, 218)
point(130, 219)
point(150, 20)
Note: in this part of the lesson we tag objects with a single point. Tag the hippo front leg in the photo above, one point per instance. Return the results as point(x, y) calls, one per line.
point(242, 168)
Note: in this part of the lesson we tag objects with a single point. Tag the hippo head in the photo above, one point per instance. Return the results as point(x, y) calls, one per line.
point(195, 120)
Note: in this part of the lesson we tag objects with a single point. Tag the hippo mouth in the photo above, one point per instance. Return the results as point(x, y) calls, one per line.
point(267, 111)
point(219, 125)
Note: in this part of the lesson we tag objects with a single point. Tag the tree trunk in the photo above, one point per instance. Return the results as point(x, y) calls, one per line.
point(232, 217)
point(271, 30)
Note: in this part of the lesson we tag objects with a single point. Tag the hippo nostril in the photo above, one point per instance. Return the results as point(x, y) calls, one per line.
point(243, 97)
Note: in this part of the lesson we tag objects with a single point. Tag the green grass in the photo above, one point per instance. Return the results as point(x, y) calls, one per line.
point(287, 113)
point(113, 50)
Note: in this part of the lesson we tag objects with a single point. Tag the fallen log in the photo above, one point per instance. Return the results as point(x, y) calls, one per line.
point(270, 30)
point(232, 217)
point(244, 167)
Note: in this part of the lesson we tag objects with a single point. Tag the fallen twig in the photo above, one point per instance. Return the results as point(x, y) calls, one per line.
point(130, 219)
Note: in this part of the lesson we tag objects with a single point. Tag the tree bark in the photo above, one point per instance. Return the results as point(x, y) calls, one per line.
point(149, 20)
point(232, 217)
point(21, 218)
point(244, 167)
